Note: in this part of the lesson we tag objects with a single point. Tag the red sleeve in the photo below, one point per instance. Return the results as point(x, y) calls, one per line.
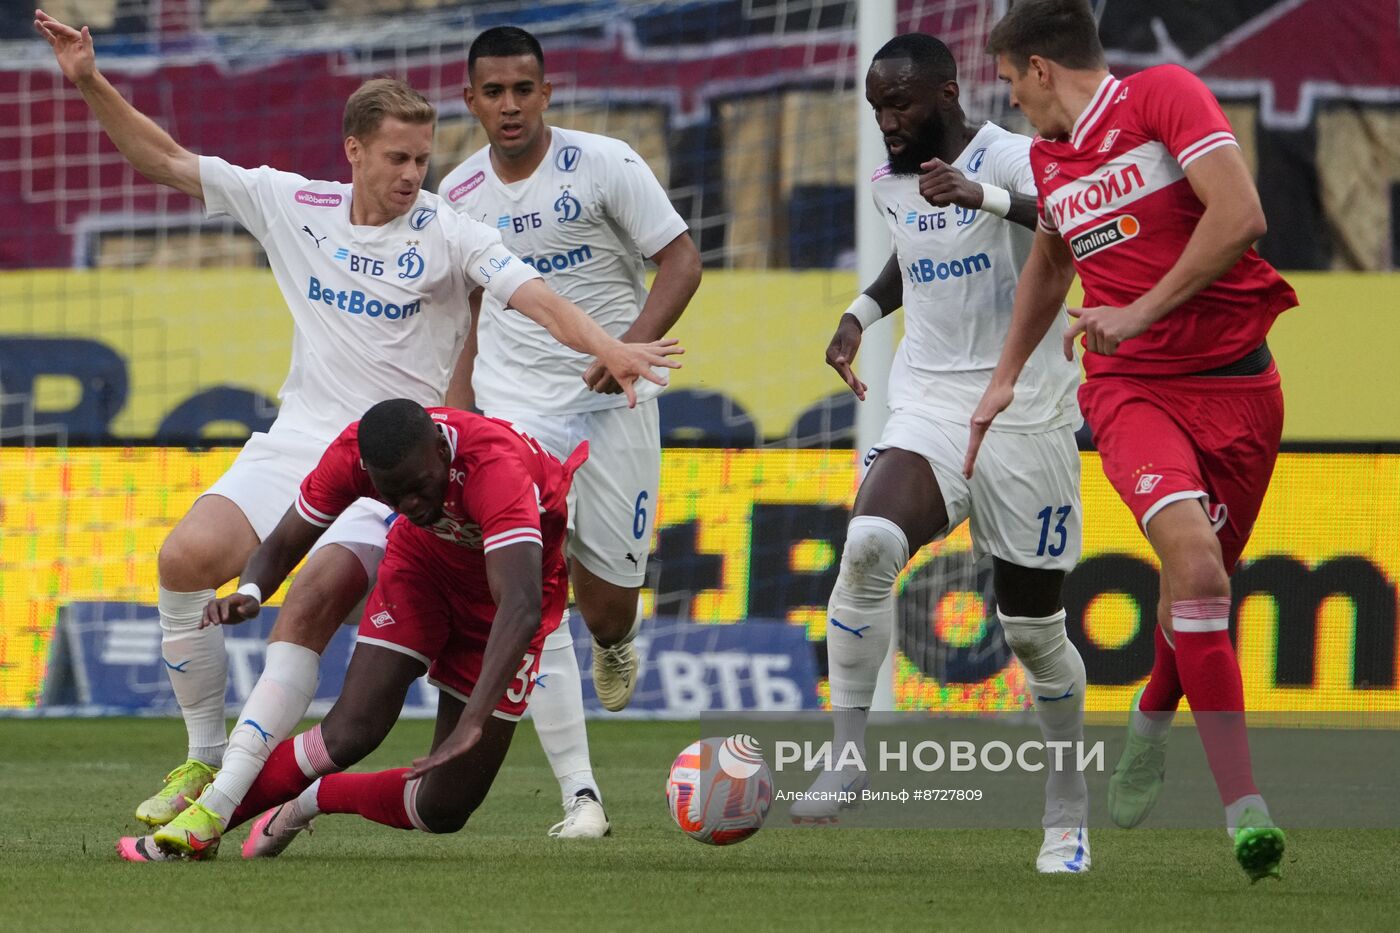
point(1178, 109)
point(1037, 168)
point(502, 498)
point(337, 481)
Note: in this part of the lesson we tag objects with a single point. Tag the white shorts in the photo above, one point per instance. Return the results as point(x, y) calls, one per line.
point(263, 482)
point(612, 505)
point(1023, 499)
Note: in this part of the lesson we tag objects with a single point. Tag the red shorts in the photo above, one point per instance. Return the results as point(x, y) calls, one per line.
point(1167, 438)
point(431, 602)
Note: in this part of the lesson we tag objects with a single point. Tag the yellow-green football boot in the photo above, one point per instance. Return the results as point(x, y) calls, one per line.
point(182, 787)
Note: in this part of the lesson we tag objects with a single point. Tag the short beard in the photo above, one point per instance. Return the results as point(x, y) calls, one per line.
point(917, 151)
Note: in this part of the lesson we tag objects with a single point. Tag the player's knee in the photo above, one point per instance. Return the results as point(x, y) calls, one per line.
point(178, 563)
point(353, 735)
point(445, 812)
point(1032, 639)
point(446, 821)
point(315, 607)
point(876, 551)
point(1199, 575)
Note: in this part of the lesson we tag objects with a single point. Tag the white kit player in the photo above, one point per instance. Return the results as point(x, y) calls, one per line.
point(376, 275)
point(584, 210)
point(960, 204)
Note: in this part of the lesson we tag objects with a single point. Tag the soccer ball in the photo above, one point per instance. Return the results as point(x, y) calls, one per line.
point(719, 790)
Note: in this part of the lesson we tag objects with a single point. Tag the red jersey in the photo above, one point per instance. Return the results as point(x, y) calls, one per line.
point(1116, 190)
point(502, 487)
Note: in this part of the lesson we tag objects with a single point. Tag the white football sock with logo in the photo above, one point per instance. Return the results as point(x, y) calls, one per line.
point(276, 704)
point(1055, 677)
point(556, 707)
point(198, 668)
point(860, 615)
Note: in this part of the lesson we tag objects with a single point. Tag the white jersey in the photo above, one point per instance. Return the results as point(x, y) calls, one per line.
point(585, 219)
point(960, 268)
point(378, 312)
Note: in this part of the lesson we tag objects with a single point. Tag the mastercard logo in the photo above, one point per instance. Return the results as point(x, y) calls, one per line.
point(1104, 236)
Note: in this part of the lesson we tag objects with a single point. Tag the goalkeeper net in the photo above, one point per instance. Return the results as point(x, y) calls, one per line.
point(127, 317)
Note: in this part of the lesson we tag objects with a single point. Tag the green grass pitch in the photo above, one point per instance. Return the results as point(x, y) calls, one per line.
point(69, 787)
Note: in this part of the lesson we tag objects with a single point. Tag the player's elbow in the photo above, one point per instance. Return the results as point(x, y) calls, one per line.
point(1253, 225)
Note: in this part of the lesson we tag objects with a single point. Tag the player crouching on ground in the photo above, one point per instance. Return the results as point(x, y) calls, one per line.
point(473, 579)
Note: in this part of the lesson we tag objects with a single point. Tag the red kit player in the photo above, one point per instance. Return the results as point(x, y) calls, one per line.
point(1144, 192)
point(473, 579)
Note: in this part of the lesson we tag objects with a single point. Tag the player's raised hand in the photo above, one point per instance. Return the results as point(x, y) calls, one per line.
point(627, 362)
point(458, 742)
point(842, 350)
point(72, 48)
point(942, 185)
point(230, 610)
point(994, 401)
point(1103, 327)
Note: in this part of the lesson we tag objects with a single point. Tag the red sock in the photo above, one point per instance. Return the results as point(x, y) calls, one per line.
point(384, 797)
point(285, 774)
point(280, 780)
point(1163, 690)
point(1210, 676)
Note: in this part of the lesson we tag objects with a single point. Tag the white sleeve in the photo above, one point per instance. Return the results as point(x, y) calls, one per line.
point(488, 263)
point(636, 200)
point(246, 195)
point(1011, 166)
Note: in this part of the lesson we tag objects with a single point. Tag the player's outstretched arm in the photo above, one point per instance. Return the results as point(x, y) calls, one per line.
point(514, 575)
point(267, 569)
point(148, 148)
point(571, 326)
point(678, 273)
point(1040, 293)
point(880, 298)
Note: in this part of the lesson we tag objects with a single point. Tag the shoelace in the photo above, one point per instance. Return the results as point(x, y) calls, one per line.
point(185, 770)
point(613, 655)
point(571, 809)
point(198, 807)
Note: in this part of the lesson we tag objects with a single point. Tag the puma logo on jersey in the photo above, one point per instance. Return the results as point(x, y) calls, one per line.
point(313, 236)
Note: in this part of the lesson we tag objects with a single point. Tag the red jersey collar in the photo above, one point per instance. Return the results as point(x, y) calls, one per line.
point(1092, 113)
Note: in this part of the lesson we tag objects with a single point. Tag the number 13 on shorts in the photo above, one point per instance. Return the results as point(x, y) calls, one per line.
point(1053, 534)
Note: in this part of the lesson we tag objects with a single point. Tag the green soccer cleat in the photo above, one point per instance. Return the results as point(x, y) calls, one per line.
point(194, 833)
point(182, 787)
point(1137, 779)
point(1259, 846)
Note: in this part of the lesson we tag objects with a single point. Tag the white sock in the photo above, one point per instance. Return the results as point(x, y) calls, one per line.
point(556, 706)
point(198, 668)
point(1055, 677)
point(306, 802)
point(860, 615)
point(1152, 725)
point(1234, 811)
point(849, 729)
point(276, 704)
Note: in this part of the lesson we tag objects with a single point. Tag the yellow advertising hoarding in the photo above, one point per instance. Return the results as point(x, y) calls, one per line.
point(756, 533)
point(142, 352)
